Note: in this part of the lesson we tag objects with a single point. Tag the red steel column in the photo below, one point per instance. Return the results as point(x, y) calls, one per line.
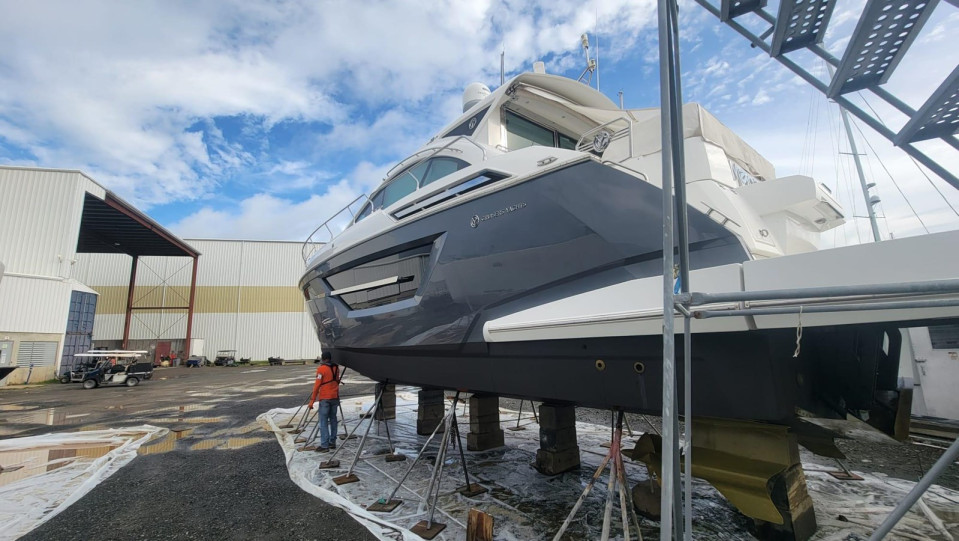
point(189, 313)
point(129, 315)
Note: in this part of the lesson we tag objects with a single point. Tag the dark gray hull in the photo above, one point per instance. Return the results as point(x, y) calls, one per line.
point(570, 231)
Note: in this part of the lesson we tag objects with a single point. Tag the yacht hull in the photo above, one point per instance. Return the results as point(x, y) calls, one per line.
point(568, 231)
point(742, 375)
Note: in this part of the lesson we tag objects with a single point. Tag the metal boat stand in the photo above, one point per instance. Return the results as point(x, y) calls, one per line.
point(345, 435)
point(289, 424)
point(349, 476)
point(519, 416)
point(845, 474)
point(311, 439)
point(428, 529)
point(618, 482)
point(388, 504)
point(303, 427)
point(393, 456)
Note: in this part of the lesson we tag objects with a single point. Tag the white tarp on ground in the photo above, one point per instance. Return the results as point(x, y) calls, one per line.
point(43, 475)
point(527, 505)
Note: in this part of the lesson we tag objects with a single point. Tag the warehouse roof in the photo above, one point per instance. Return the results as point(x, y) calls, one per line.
point(111, 225)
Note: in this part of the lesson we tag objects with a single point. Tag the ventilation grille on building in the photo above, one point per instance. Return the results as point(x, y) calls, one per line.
point(38, 353)
point(944, 336)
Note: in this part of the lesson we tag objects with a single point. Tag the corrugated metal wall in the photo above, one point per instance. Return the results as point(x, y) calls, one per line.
point(246, 298)
point(40, 212)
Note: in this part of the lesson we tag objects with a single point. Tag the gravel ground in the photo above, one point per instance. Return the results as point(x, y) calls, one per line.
point(220, 493)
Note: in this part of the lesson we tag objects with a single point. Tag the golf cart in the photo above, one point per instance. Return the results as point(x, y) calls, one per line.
point(197, 361)
point(225, 357)
point(109, 367)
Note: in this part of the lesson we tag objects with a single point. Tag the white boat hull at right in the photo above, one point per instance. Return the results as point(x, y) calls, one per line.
point(935, 371)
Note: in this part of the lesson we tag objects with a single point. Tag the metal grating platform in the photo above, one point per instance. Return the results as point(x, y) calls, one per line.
point(800, 23)
point(884, 33)
point(938, 117)
point(734, 8)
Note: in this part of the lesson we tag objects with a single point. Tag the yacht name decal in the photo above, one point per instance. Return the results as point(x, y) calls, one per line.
point(476, 219)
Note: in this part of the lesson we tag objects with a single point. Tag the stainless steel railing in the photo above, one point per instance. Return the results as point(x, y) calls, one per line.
point(326, 232)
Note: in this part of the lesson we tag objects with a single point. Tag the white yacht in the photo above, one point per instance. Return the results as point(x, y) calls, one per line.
point(519, 252)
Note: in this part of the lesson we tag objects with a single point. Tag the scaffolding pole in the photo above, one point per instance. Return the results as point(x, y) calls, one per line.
point(670, 91)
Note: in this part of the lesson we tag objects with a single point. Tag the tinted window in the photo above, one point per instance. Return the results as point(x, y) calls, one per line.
point(367, 210)
point(419, 171)
point(521, 133)
point(440, 167)
point(567, 142)
point(401, 186)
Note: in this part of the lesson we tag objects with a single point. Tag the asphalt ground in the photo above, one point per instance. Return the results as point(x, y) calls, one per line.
point(226, 478)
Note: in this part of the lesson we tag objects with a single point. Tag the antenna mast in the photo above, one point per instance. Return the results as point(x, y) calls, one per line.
point(590, 63)
point(502, 67)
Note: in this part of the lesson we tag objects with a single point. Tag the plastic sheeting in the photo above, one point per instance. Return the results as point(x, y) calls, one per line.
point(43, 475)
point(527, 505)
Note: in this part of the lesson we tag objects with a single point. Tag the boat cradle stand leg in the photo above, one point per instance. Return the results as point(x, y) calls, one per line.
point(349, 476)
point(618, 484)
point(389, 503)
point(428, 529)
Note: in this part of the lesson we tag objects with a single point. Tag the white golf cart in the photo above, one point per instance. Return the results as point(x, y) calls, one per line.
point(110, 367)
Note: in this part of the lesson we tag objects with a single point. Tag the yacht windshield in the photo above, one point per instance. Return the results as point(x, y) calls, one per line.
point(407, 182)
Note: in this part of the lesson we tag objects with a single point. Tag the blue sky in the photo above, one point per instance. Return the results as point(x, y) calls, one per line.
point(243, 119)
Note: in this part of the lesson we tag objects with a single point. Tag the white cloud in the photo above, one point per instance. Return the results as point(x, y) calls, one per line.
point(267, 216)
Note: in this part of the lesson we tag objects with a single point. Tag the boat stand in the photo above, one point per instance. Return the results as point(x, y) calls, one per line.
point(311, 439)
point(289, 424)
point(618, 482)
point(845, 474)
point(307, 419)
point(519, 416)
point(388, 504)
point(344, 436)
point(349, 476)
point(393, 456)
point(428, 529)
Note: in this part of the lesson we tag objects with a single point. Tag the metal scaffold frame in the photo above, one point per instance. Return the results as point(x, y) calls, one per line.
point(885, 31)
point(676, 518)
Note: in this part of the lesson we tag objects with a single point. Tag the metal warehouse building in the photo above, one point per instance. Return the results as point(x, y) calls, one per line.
point(71, 251)
point(246, 299)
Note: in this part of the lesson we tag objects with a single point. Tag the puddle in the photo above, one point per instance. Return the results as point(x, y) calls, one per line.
point(167, 443)
point(45, 416)
point(40, 475)
point(14, 407)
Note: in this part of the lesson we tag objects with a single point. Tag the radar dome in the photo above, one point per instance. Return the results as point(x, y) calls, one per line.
point(474, 93)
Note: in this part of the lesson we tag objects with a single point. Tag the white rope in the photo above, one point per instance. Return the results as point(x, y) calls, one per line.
point(798, 333)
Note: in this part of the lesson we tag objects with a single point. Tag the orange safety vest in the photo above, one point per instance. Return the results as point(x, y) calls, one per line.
point(327, 385)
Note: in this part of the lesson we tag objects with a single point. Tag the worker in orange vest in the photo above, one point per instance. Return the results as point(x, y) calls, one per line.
point(326, 389)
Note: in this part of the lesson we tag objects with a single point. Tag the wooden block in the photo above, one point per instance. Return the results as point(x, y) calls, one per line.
point(479, 526)
point(427, 532)
point(396, 457)
point(329, 464)
point(346, 479)
point(473, 489)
